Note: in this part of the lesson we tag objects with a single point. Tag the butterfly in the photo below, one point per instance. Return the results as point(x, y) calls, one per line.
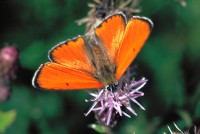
point(78, 64)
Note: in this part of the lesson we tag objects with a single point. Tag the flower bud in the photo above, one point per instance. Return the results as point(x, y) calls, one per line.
point(8, 59)
point(8, 67)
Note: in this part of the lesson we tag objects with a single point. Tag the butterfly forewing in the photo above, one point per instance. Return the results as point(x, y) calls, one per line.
point(72, 53)
point(136, 33)
point(110, 33)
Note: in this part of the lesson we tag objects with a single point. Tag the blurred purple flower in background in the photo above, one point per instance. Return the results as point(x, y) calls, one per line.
point(8, 66)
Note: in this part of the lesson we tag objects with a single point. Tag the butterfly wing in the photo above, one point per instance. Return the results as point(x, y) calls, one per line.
point(54, 76)
point(72, 53)
point(136, 33)
point(70, 68)
point(110, 33)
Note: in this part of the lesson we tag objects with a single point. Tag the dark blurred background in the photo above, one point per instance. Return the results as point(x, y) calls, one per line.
point(170, 60)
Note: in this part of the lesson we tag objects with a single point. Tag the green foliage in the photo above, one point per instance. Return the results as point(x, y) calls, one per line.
point(6, 119)
point(186, 118)
point(170, 61)
point(99, 128)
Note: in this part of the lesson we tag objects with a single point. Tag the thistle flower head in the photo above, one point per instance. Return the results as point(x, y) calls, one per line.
point(109, 104)
point(9, 54)
point(8, 67)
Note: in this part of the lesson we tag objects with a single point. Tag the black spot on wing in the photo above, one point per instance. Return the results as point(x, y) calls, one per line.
point(67, 84)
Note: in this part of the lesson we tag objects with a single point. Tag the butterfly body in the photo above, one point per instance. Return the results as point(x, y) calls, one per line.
point(82, 64)
point(105, 71)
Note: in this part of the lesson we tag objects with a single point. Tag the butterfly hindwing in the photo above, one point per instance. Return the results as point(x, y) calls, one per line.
point(54, 76)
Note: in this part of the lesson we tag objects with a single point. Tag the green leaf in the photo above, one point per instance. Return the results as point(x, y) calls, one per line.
point(186, 117)
point(6, 119)
point(197, 110)
point(34, 54)
point(100, 128)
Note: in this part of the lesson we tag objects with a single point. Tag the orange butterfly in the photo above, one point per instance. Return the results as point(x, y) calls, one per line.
point(76, 64)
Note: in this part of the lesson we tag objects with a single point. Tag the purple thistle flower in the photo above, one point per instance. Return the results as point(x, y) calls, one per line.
point(107, 104)
point(8, 62)
point(8, 67)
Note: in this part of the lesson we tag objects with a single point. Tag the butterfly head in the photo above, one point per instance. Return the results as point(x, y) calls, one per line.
point(112, 87)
